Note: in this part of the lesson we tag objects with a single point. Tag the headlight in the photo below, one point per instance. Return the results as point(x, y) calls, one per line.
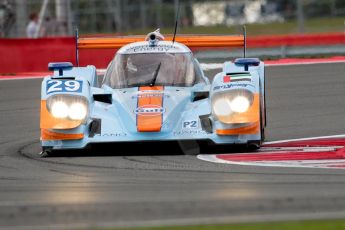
point(240, 104)
point(222, 107)
point(77, 111)
point(231, 102)
point(68, 107)
point(59, 109)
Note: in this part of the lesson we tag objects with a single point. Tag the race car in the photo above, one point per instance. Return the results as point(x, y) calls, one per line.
point(154, 90)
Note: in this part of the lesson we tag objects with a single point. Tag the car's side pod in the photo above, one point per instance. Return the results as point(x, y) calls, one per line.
point(236, 98)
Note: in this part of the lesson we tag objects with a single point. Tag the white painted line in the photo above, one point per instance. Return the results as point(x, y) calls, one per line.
point(101, 71)
point(212, 66)
point(305, 63)
point(20, 78)
point(327, 163)
point(299, 149)
point(283, 164)
point(304, 139)
point(211, 158)
point(231, 219)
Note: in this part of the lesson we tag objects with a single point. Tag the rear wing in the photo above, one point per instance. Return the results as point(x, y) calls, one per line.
point(192, 41)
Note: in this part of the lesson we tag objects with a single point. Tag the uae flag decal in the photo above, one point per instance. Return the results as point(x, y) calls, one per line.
point(236, 77)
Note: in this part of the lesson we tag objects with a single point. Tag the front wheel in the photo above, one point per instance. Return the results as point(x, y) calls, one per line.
point(262, 127)
point(262, 117)
point(46, 152)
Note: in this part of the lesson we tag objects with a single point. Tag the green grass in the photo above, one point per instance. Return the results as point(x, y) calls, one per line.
point(316, 25)
point(292, 225)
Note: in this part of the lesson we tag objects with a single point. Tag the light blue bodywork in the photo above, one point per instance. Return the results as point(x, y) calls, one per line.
point(181, 116)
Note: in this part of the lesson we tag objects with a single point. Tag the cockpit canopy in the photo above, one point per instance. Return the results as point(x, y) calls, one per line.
point(149, 69)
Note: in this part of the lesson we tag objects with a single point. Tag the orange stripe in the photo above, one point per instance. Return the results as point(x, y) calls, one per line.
point(252, 129)
point(189, 40)
point(150, 122)
point(47, 135)
point(47, 121)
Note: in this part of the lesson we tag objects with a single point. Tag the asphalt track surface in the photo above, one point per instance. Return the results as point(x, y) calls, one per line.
point(141, 189)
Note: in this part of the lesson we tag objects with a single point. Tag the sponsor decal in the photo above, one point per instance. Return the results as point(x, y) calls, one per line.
point(149, 110)
point(59, 86)
point(111, 135)
point(147, 48)
point(190, 124)
point(189, 132)
point(150, 94)
point(232, 85)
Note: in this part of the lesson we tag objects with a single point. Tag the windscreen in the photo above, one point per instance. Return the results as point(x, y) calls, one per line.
point(149, 69)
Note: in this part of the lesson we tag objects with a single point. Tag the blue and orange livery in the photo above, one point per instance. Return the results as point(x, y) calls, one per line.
point(154, 90)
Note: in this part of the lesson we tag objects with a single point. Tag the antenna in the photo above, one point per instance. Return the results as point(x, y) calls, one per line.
point(76, 47)
point(245, 40)
point(176, 21)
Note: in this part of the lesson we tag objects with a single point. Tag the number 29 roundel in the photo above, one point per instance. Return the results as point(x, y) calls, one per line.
point(60, 86)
